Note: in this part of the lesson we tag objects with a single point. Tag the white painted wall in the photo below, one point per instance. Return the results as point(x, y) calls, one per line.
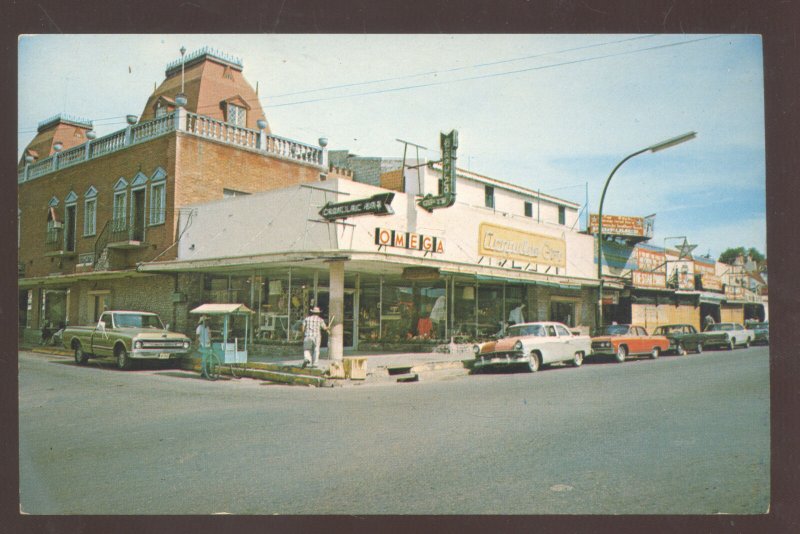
point(279, 221)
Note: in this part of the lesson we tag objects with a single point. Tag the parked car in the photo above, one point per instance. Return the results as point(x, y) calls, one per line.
point(760, 330)
point(728, 335)
point(534, 345)
point(126, 336)
point(682, 338)
point(623, 340)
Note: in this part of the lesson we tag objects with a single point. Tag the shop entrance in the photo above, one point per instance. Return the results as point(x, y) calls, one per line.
point(708, 310)
point(323, 302)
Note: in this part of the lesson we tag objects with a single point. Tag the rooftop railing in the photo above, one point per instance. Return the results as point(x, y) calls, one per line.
point(180, 120)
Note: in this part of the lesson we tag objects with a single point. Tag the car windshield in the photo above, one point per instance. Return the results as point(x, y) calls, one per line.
point(719, 327)
point(613, 330)
point(132, 320)
point(526, 330)
point(669, 330)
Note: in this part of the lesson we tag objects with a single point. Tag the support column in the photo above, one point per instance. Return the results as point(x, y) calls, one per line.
point(336, 310)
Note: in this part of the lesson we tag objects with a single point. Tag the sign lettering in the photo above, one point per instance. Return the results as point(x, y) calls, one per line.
point(509, 243)
point(408, 240)
point(375, 205)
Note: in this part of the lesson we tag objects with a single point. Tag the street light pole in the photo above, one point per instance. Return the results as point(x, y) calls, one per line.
point(653, 148)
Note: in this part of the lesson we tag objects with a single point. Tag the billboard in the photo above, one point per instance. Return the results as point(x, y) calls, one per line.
point(622, 225)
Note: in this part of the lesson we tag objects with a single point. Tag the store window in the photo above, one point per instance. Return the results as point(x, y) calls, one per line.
point(369, 313)
point(563, 312)
point(488, 196)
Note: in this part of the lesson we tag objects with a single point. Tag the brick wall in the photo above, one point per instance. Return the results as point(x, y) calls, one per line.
point(207, 167)
point(102, 173)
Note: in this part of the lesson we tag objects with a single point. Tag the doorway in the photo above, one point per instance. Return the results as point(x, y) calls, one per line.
point(137, 215)
point(323, 302)
point(69, 230)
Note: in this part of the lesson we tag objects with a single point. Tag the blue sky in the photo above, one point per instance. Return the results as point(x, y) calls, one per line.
point(549, 112)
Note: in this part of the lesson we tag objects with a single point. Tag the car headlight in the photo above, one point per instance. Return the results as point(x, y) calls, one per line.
point(518, 345)
point(137, 345)
point(186, 344)
point(476, 349)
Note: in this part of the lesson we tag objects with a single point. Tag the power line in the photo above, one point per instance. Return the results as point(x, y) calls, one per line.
point(478, 65)
point(494, 75)
point(458, 80)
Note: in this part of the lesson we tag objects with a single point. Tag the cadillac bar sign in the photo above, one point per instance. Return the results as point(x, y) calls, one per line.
point(512, 244)
point(375, 205)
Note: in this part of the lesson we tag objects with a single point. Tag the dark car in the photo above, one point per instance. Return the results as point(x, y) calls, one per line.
point(682, 338)
point(761, 331)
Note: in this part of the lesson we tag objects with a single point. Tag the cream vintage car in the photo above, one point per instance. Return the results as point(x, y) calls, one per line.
point(126, 336)
point(534, 345)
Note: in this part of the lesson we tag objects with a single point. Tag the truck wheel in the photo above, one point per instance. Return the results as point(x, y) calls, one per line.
point(577, 360)
point(622, 353)
point(655, 353)
point(80, 357)
point(123, 361)
point(534, 362)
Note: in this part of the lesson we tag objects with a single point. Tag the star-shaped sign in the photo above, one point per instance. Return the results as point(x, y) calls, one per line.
point(685, 249)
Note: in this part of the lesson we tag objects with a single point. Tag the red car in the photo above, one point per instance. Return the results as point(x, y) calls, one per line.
point(623, 340)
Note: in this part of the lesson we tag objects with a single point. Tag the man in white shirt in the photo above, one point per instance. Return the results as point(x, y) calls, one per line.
point(515, 316)
point(312, 337)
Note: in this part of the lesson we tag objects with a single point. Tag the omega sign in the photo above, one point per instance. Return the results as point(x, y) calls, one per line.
point(409, 240)
point(509, 243)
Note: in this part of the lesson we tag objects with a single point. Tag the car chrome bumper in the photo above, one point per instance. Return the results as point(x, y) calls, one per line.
point(156, 354)
point(500, 358)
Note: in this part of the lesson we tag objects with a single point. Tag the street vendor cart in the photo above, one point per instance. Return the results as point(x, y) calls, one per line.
point(230, 351)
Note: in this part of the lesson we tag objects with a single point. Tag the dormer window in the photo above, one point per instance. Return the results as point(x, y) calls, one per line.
point(161, 110)
point(237, 115)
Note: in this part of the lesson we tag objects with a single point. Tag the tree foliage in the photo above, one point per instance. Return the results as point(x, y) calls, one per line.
point(730, 254)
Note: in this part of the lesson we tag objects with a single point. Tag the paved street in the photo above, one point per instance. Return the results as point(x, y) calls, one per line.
point(677, 435)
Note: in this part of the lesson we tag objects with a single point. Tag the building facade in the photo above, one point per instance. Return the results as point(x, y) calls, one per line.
point(92, 209)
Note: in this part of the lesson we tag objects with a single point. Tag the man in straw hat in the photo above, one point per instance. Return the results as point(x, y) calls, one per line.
point(312, 336)
point(203, 338)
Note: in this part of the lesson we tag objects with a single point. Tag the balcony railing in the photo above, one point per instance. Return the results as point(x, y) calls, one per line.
point(121, 230)
point(184, 121)
point(54, 240)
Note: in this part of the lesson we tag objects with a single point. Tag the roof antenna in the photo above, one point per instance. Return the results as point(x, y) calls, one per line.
point(180, 98)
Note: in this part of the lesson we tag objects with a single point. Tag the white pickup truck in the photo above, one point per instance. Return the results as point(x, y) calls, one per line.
point(126, 336)
point(534, 344)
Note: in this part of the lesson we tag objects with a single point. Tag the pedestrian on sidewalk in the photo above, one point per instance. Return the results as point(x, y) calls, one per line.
point(312, 337)
point(515, 316)
point(203, 338)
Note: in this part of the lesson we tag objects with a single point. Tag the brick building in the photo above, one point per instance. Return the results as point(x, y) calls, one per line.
point(92, 209)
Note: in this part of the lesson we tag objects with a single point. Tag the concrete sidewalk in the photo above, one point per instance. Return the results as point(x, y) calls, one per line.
point(383, 367)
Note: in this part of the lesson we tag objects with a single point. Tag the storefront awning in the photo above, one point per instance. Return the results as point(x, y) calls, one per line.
point(489, 278)
point(221, 309)
point(711, 298)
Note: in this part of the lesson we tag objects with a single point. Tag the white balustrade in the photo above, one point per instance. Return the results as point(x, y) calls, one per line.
point(109, 143)
point(72, 156)
point(195, 124)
